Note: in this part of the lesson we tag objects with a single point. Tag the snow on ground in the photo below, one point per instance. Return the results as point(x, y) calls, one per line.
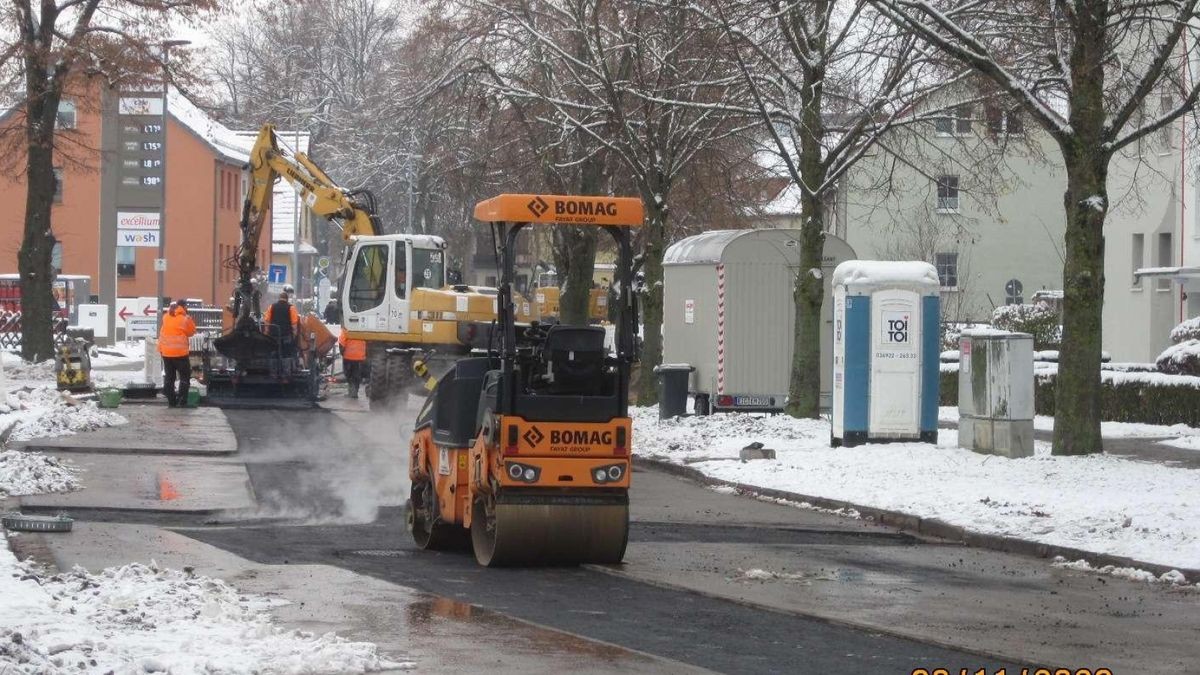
point(30, 473)
point(43, 411)
point(138, 618)
point(1102, 503)
point(1107, 429)
point(131, 353)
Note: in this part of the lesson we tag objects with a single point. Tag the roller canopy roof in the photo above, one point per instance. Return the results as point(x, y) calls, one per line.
point(561, 210)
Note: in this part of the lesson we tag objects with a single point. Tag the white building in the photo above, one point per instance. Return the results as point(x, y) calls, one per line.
point(986, 207)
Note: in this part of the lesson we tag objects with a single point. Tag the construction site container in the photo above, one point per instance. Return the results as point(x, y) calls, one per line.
point(729, 312)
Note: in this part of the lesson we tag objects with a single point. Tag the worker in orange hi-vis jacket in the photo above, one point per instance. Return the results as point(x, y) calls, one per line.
point(173, 345)
point(354, 356)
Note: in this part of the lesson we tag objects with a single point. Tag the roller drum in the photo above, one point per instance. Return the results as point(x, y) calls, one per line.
point(536, 529)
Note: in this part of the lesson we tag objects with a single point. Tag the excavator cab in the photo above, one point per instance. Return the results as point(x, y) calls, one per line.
point(544, 476)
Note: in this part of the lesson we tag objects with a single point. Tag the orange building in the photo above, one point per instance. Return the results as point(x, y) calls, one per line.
point(110, 178)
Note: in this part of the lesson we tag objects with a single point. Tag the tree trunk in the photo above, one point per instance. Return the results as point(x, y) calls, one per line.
point(579, 245)
point(804, 393)
point(578, 251)
point(37, 277)
point(652, 300)
point(1077, 387)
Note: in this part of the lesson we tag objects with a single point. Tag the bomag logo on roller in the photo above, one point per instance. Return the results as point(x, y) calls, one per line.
point(581, 437)
point(584, 208)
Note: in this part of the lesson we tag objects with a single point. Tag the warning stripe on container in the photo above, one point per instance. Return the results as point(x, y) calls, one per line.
point(720, 329)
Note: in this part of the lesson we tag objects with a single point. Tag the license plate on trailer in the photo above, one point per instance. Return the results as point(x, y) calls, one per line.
point(753, 401)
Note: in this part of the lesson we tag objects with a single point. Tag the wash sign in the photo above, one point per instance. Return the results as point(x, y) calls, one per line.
point(138, 228)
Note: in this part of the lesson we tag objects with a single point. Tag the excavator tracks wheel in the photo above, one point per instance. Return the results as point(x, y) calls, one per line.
point(549, 529)
point(426, 532)
point(388, 379)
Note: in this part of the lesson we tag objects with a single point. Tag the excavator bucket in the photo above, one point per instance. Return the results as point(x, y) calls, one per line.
point(246, 345)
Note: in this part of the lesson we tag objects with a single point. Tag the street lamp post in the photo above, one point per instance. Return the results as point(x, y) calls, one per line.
point(162, 216)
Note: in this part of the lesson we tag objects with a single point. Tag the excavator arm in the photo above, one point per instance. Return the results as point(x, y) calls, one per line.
point(354, 209)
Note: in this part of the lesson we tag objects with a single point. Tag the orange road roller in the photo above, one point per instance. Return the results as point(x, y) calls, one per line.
point(524, 452)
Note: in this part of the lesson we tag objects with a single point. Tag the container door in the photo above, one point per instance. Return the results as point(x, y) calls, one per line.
point(838, 402)
point(895, 364)
point(398, 314)
point(365, 299)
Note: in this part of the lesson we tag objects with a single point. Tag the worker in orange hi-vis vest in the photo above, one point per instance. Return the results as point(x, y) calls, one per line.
point(354, 355)
point(173, 336)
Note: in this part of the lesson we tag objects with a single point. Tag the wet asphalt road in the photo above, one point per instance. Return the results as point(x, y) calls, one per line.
point(311, 468)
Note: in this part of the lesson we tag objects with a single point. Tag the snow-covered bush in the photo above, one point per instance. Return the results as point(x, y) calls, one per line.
point(1180, 359)
point(1183, 357)
point(1038, 320)
point(1188, 330)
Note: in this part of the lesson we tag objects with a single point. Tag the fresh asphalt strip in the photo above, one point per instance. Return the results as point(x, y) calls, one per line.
point(672, 623)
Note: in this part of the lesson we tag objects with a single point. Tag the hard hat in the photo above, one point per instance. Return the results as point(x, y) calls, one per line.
point(288, 288)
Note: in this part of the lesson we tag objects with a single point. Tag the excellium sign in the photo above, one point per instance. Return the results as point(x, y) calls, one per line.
point(138, 220)
point(138, 228)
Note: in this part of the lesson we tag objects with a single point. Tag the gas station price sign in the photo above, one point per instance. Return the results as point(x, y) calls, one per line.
point(140, 152)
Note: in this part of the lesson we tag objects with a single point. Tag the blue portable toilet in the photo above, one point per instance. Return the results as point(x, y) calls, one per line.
point(886, 339)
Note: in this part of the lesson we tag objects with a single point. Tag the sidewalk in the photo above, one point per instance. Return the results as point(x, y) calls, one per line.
point(1125, 508)
point(1148, 448)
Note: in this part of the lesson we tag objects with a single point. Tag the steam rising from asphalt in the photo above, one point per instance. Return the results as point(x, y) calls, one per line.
point(331, 467)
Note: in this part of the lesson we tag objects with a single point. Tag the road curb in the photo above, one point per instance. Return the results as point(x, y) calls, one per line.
point(930, 527)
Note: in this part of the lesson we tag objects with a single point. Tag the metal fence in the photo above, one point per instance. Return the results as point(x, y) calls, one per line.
point(10, 330)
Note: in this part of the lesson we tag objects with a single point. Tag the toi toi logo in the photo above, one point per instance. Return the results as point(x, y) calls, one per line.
point(898, 330)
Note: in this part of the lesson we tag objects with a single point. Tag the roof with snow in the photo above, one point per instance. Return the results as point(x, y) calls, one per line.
point(225, 141)
point(886, 273)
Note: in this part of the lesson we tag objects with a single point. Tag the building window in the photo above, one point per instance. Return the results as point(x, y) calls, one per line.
point(1166, 103)
point(1165, 259)
point(126, 261)
point(65, 119)
point(56, 257)
point(58, 185)
point(1137, 250)
point(1004, 122)
point(956, 121)
point(962, 123)
point(947, 194)
point(947, 269)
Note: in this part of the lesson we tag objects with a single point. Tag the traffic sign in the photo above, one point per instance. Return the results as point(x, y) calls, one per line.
point(140, 327)
point(277, 274)
point(160, 264)
point(323, 262)
point(126, 307)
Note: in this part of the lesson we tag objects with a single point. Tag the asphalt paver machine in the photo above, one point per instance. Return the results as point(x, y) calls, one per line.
point(525, 450)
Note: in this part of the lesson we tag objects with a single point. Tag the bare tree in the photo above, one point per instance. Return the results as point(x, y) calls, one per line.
point(625, 66)
point(57, 43)
point(1082, 69)
point(828, 78)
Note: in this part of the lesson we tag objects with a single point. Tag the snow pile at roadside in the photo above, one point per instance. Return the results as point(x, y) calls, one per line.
point(43, 411)
point(18, 371)
point(1099, 503)
point(1174, 577)
point(138, 618)
point(30, 473)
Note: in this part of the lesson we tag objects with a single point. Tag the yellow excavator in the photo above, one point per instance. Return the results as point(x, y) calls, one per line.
point(393, 292)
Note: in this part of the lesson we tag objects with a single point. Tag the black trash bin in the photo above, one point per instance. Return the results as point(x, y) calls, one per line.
point(673, 389)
